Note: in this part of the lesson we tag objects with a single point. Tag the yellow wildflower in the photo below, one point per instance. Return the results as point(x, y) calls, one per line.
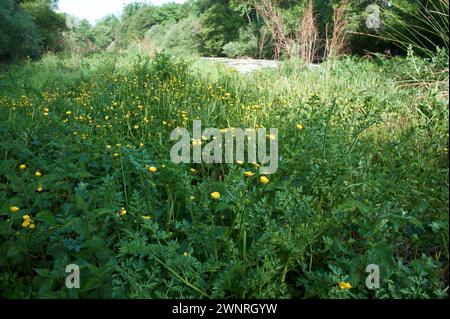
point(22, 166)
point(14, 209)
point(152, 169)
point(38, 174)
point(249, 174)
point(215, 195)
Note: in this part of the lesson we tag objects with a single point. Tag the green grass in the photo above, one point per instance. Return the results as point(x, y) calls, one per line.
point(365, 181)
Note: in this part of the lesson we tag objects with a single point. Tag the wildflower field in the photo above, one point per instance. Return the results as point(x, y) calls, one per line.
point(86, 179)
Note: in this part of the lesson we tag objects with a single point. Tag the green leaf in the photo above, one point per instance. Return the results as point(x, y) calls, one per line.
point(47, 218)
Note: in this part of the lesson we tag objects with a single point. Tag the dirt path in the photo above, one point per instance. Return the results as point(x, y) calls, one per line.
point(246, 65)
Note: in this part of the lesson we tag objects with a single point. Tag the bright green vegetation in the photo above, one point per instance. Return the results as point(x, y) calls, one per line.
point(363, 179)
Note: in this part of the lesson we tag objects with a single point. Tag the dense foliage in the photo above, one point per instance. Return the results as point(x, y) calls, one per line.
point(235, 28)
point(86, 178)
point(29, 27)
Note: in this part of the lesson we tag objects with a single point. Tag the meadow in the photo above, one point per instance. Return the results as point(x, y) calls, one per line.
point(86, 179)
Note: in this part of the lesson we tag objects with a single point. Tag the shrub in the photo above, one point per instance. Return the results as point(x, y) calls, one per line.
point(245, 46)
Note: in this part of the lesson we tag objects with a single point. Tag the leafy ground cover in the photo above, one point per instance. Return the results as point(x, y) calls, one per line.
point(86, 179)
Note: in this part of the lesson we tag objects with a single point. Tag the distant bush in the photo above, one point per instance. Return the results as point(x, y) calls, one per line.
point(246, 45)
point(178, 38)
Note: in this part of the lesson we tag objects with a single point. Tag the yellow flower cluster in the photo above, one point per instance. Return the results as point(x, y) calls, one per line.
point(28, 222)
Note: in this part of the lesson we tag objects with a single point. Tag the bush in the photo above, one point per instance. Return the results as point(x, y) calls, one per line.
point(246, 45)
point(362, 179)
point(181, 38)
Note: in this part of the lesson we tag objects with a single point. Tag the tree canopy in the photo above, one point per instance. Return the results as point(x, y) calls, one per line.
point(213, 27)
point(29, 27)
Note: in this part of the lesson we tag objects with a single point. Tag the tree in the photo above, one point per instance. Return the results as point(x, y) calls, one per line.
point(49, 23)
point(19, 36)
point(220, 25)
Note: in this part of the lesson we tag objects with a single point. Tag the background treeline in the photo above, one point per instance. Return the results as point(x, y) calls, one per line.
point(309, 29)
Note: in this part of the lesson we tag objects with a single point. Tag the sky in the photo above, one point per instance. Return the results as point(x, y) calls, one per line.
point(94, 10)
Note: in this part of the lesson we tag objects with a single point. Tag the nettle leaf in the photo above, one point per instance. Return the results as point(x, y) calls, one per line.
point(80, 203)
point(47, 218)
point(81, 175)
point(221, 206)
point(76, 224)
point(94, 269)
